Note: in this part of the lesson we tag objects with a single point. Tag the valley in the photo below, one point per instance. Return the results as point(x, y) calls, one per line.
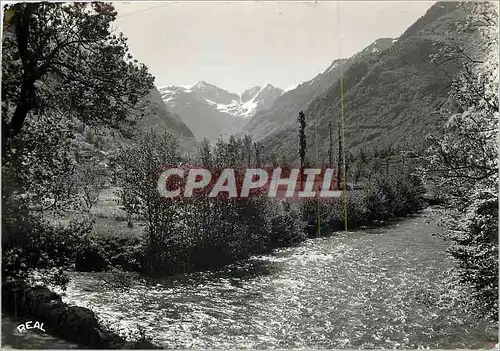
point(392, 93)
point(141, 213)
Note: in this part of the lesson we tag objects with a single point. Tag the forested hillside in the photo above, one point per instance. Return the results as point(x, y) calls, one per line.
point(390, 98)
point(284, 111)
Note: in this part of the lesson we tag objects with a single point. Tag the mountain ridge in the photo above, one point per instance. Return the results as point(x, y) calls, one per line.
point(212, 112)
point(284, 110)
point(390, 98)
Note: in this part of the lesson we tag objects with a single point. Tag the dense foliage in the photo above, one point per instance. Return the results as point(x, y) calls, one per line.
point(380, 199)
point(64, 59)
point(464, 161)
point(61, 63)
point(199, 232)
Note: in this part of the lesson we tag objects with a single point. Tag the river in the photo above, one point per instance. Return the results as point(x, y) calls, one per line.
point(363, 289)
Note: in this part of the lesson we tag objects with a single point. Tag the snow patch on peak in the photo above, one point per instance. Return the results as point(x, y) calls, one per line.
point(243, 106)
point(292, 87)
point(187, 86)
point(334, 65)
point(200, 85)
point(249, 101)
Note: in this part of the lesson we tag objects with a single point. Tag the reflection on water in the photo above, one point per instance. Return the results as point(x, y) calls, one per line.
point(373, 288)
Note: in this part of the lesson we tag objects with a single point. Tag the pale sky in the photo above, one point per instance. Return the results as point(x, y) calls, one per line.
point(238, 45)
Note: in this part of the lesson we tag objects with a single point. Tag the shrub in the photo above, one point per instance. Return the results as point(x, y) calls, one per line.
point(39, 251)
point(475, 248)
point(389, 197)
point(91, 257)
point(214, 232)
point(285, 223)
point(380, 199)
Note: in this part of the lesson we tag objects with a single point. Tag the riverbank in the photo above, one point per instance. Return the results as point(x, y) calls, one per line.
point(279, 225)
point(78, 325)
point(230, 231)
point(33, 339)
point(370, 288)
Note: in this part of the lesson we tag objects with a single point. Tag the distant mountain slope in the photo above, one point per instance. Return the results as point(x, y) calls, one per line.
point(160, 119)
point(212, 112)
point(390, 97)
point(156, 118)
point(285, 108)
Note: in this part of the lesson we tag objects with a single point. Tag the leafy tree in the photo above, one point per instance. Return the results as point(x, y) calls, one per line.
point(259, 152)
point(220, 152)
point(247, 144)
point(91, 181)
point(137, 170)
point(37, 170)
point(61, 65)
point(464, 160)
point(63, 59)
point(233, 150)
point(273, 159)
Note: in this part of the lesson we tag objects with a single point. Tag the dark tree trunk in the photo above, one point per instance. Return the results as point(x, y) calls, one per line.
point(26, 100)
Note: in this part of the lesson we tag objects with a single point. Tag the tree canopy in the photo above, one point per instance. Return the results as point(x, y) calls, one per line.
point(64, 59)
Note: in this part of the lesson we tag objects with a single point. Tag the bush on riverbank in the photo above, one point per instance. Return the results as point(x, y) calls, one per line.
point(35, 249)
point(476, 250)
point(97, 254)
point(227, 231)
point(380, 199)
point(198, 233)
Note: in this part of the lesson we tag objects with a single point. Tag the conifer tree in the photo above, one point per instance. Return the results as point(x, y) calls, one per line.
point(302, 142)
point(340, 159)
point(330, 145)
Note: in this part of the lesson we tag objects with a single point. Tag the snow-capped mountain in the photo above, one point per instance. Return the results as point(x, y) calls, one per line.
point(252, 100)
point(210, 111)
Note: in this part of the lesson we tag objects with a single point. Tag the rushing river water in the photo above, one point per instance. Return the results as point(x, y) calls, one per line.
point(369, 288)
